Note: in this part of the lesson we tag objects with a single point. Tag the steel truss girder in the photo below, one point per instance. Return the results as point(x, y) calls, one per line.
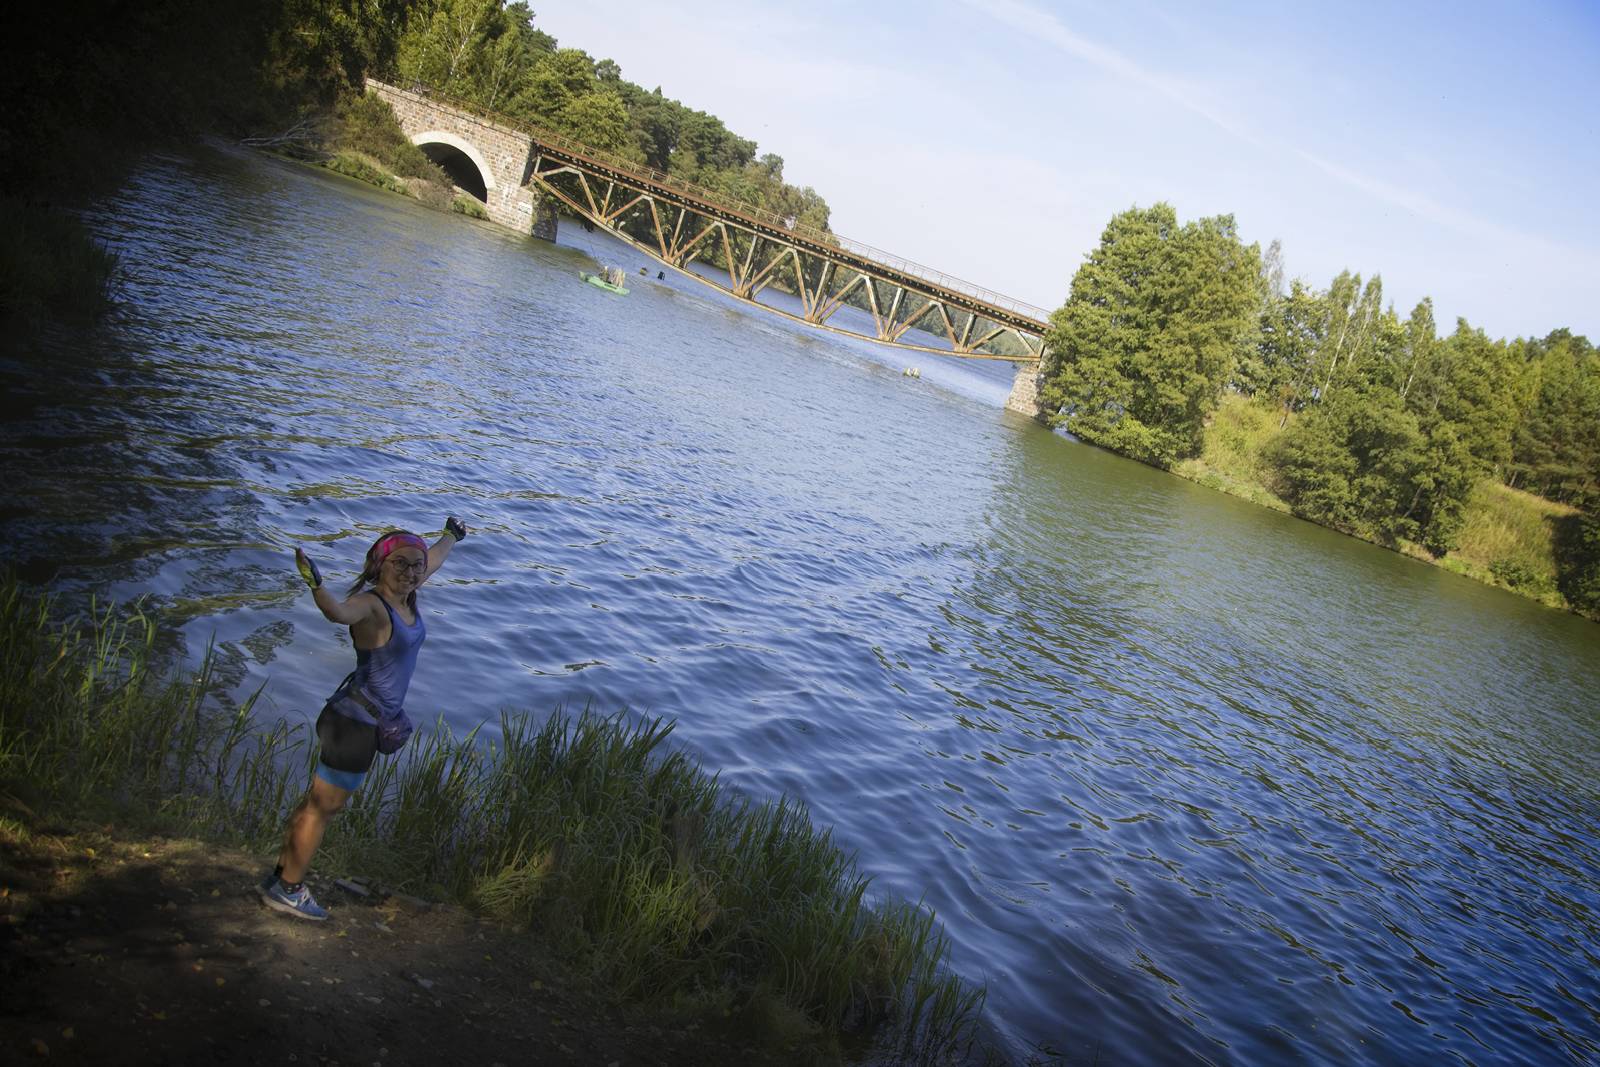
point(756, 258)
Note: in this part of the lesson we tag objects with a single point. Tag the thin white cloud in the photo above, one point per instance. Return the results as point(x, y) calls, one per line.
point(1045, 26)
point(1042, 25)
point(1417, 203)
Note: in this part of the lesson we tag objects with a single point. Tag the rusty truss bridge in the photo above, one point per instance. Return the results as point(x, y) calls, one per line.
point(839, 284)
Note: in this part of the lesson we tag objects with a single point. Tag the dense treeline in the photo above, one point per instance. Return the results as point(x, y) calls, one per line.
point(1384, 428)
point(90, 85)
point(489, 53)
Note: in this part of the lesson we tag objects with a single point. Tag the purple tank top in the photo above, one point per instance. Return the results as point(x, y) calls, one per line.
point(384, 673)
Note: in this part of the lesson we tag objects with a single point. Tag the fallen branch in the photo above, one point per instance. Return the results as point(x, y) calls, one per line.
point(302, 135)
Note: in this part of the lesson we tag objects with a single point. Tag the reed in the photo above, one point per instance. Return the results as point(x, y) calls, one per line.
point(51, 266)
point(626, 854)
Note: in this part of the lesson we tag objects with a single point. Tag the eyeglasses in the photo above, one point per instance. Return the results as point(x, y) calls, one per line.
point(405, 565)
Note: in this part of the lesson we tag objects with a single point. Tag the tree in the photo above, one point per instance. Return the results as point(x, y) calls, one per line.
point(1556, 443)
point(1438, 507)
point(1290, 332)
point(1578, 558)
point(1420, 349)
point(477, 50)
point(554, 84)
point(656, 123)
point(1477, 394)
point(1352, 315)
point(1147, 337)
point(1362, 463)
point(600, 120)
point(1272, 268)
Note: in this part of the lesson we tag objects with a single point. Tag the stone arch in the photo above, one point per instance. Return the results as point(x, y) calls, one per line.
point(460, 159)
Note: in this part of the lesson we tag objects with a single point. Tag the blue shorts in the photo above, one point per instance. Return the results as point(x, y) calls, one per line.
point(347, 780)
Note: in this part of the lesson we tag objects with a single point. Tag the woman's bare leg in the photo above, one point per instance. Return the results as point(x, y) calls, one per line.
point(307, 824)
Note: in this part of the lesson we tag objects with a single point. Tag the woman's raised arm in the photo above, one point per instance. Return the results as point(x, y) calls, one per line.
point(344, 612)
point(454, 530)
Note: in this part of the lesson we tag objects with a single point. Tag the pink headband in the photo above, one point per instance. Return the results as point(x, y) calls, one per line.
point(381, 550)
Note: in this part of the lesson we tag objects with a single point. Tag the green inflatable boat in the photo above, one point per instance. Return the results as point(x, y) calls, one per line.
point(610, 280)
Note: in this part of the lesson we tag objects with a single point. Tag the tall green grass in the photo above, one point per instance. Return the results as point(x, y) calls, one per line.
point(624, 854)
point(51, 266)
point(1508, 539)
point(1233, 450)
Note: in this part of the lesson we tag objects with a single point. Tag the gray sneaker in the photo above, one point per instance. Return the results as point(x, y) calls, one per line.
point(301, 904)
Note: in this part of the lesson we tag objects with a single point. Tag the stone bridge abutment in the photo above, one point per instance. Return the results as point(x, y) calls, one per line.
point(482, 157)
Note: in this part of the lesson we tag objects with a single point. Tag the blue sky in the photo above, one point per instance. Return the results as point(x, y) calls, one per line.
point(1452, 148)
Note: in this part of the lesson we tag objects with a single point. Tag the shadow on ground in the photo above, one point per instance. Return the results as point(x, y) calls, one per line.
point(116, 948)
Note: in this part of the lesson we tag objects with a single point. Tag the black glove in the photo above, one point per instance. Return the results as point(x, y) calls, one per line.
point(308, 569)
point(454, 528)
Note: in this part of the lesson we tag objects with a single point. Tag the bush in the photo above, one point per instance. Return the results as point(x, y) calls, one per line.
point(469, 207)
point(1578, 559)
point(366, 124)
point(1514, 574)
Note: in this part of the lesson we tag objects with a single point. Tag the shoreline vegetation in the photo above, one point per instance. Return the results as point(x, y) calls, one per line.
point(629, 863)
point(1509, 538)
point(362, 139)
point(1181, 347)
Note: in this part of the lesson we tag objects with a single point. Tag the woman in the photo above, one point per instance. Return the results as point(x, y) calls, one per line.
point(366, 714)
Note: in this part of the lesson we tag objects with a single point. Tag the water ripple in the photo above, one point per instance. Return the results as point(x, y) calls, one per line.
point(1187, 781)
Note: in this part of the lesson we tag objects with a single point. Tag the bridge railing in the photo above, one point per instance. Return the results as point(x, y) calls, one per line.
point(720, 201)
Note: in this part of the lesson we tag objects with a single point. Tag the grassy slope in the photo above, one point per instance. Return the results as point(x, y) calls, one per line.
point(1507, 540)
point(1231, 458)
point(364, 141)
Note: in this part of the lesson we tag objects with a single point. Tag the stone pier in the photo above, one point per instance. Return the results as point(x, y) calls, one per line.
point(1024, 398)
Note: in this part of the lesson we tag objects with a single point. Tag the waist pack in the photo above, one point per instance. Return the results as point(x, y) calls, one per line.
point(393, 729)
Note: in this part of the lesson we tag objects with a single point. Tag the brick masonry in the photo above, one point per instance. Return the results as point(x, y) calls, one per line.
point(504, 153)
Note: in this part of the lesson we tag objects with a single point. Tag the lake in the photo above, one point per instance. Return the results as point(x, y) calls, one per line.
point(1185, 780)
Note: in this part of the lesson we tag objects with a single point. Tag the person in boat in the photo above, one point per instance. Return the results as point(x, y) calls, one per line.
point(366, 714)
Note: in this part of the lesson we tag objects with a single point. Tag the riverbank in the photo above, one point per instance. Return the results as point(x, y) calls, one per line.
point(361, 139)
point(1509, 538)
point(116, 940)
point(581, 848)
point(52, 269)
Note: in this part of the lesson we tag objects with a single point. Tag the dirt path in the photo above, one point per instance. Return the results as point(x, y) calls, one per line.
point(124, 949)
